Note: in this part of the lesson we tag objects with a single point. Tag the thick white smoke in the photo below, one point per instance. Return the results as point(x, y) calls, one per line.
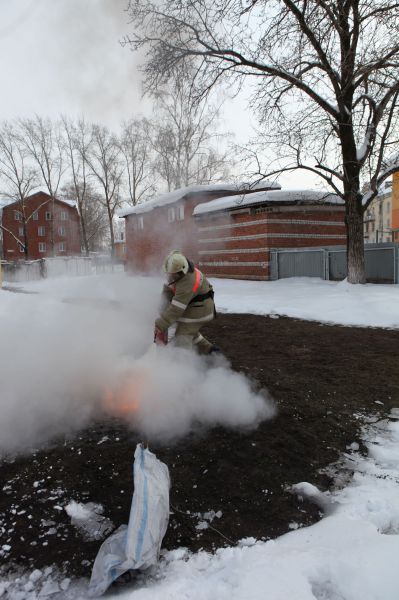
point(171, 392)
point(65, 352)
point(80, 66)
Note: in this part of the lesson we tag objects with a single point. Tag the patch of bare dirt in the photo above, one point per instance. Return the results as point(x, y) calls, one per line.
point(321, 377)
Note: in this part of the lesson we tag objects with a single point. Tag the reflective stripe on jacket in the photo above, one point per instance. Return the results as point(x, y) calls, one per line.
point(181, 309)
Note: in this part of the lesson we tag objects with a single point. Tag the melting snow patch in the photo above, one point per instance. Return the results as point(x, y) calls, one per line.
point(36, 585)
point(89, 519)
point(207, 518)
point(50, 587)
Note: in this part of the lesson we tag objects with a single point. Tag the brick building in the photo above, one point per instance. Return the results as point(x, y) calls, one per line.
point(378, 217)
point(49, 228)
point(165, 223)
point(230, 235)
point(381, 219)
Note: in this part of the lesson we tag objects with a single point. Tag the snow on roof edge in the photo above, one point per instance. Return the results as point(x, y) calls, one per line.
point(10, 202)
point(176, 195)
point(228, 202)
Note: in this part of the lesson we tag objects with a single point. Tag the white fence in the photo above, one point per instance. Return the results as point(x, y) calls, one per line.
point(68, 266)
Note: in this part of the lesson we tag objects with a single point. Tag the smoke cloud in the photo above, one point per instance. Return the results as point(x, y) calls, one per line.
point(169, 392)
point(79, 64)
point(83, 347)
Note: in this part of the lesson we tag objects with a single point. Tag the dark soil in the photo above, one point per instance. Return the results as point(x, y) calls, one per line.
point(323, 378)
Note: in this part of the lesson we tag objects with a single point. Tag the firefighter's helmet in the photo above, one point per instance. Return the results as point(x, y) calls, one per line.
point(175, 262)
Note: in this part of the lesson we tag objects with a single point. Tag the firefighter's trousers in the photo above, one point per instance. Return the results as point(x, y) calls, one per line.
point(188, 328)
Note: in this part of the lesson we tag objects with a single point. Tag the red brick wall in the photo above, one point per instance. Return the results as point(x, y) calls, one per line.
point(147, 247)
point(223, 244)
point(41, 203)
point(238, 244)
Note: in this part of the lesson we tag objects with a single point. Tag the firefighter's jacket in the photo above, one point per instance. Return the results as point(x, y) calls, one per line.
point(181, 305)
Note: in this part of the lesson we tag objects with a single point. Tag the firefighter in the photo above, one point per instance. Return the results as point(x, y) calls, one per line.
point(188, 302)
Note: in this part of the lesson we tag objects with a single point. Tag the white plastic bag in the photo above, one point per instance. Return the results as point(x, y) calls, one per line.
point(137, 545)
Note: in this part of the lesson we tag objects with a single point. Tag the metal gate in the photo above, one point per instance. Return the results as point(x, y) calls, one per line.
point(381, 262)
point(301, 263)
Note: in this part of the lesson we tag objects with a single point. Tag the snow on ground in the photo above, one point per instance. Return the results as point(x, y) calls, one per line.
point(306, 298)
point(89, 519)
point(351, 554)
point(313, 299)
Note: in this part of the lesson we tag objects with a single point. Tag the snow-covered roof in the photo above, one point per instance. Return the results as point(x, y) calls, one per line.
point(182, 193)
point(8, 202)
point(71, 203)
point(277, 196)
point(5, 202)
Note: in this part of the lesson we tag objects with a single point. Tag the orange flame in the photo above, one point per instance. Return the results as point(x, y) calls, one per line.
point(123, 400)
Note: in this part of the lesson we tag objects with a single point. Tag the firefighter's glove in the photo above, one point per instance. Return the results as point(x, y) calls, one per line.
point(160, 337)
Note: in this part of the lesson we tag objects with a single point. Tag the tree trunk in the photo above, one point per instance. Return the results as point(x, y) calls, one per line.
point(84, 234)
point(355, 239)
point(52, 221)
point(111, 231)
point(353, 200)
point(26, 243)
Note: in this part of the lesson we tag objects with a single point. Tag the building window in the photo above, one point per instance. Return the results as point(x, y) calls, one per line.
point(42, 247)
point(62, 247)
point(64, 215)
point(35, 216)
point(20, 231)
point(122, 236)
point(17, 215)
point(180, 213)
point(61, 231)
point(41, 230)
point(140, 223)
point(171, 214)
point(48, 216)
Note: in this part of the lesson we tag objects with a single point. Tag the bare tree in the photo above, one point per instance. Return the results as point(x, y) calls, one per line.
point(43, 141)
point(327, 75)
point(137, 153)
point(104, 160)
point(92, 213)
point(184, 134)
point(18, 178)
point(77, 146)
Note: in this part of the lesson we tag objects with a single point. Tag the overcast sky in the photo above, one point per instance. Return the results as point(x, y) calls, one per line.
point(64, 56)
